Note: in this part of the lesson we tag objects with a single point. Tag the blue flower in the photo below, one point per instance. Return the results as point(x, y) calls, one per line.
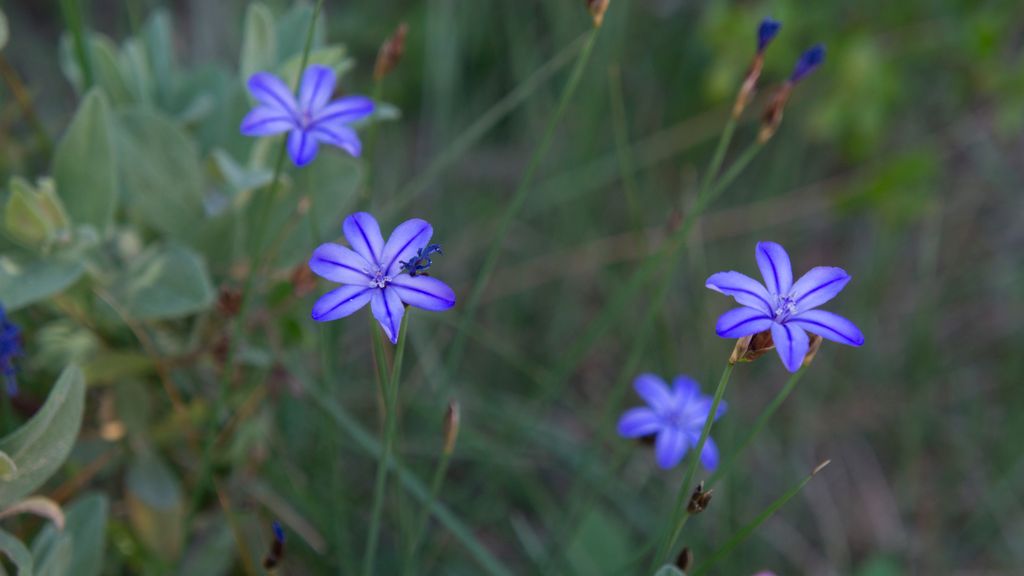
point(373, 271)
point(676, 416)
point(808, 61)
point(766, 32)
point(10, 347)
point(311, 120)
point(785, 307)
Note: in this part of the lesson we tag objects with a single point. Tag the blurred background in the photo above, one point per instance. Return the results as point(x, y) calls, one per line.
point(898, 160)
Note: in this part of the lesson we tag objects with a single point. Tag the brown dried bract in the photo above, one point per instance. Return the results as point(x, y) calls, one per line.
point(597, 9)
point(390, 53)
point(699, 500)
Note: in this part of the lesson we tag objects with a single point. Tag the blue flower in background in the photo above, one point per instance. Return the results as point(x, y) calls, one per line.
point(808, 61)
point(766, 32)
point(311, 120)
point(373, 271)
point(675, 415)
point(785, 307)
point(10, 347)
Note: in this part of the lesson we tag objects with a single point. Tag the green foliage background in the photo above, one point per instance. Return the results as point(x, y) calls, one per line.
point(898, 160)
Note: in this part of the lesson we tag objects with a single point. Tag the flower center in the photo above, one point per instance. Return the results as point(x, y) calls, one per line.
point(378, 278)
point(785, 306)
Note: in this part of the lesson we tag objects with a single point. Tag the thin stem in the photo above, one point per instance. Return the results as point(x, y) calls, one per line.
point(747, 530)
point(759, 425)
point(679, 513)
point(206, 461)
point(622, 148)
point(517, 202)
point(390, 394)
point(421, 524)
point(24, 100)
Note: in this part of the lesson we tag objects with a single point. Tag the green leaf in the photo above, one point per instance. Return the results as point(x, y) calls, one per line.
point(108, 71)
point(158, 37)
point(259, 41)
point(334, 57)
point(84, 165)
point(292, 29)
point(166, 282)
point(86, 528)
point(669, 570)
point(155, 505)
point(5, 30)
point(212, 552)
point(17, 552)
point(40, 446)
point(8, 469)
point(52, 553)
point(161, 173)
point(24, 283)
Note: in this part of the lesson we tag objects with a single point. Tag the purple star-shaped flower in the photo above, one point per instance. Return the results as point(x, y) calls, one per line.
point(785, 307)
point(675, 415)
point(10, 347)
point(309, 121)
point(376, 272)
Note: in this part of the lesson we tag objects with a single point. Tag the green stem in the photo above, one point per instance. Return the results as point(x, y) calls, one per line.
point(747, 530)
point(759, 425)
point(517, 202)
point(421, 524)
point(390, 394)
point(484, 124)
point(623, 150)
point(73, 18)
point(679, 514)
point(220, 403)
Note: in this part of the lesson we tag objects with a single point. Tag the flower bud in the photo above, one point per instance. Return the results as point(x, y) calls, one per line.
point(390, 53)
point(808, 62)
point(451, 427)
point(772, 117)
point(750, 348)
point(766, 32)
point(685, 559)
point(597, 9)
point(35, 215)
point(699, 500)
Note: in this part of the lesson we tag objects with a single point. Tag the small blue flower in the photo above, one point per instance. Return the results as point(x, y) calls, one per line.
point(766, 32)
point(373, 271)
point(309, 121)
point(675, 415)
point(808, 61)
point(10, 347)
point(785, 307)
point(278, 532)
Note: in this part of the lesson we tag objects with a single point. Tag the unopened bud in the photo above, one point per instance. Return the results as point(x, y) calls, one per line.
point(276, 554)
point(390, 53)
point(808, 62)
point(597, 9)
point(772, 117)
point(685, 559)
point(766, 32)
point(699, 500)
point(750, 348)
point(451, 427)
point(812, 349)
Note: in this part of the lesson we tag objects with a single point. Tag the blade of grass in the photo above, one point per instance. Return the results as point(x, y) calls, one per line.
point(747, 530)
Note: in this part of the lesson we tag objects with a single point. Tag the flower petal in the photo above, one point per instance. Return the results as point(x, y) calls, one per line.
point(684, 389)
point(818, 285)
point(337, 134)
point(404, 243)
point(746, 290)
point(829, 326)
point(740, 322)
point(341, 302)
point(340, 264)
point(424, 292)
point(637, 422)
point(270, 90)
point(316, 88)
point(670, 447)
point(302, 147)
point(654, 391)
point(791, 342)
point(363, 235)
point(347, 110)
point(709, 454)
point(775, 267)
point(388, 310)
point(266, 121)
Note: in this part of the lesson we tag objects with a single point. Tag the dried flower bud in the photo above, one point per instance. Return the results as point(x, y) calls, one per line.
point(773, 112)
point(597, 9)
point(812, 349)
point(685, 559)
point(699, 500)
point(766, 32)
point(229, 301)
point(451, 427)
point(750, 348)
point(390, 53)
point(276, 554)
